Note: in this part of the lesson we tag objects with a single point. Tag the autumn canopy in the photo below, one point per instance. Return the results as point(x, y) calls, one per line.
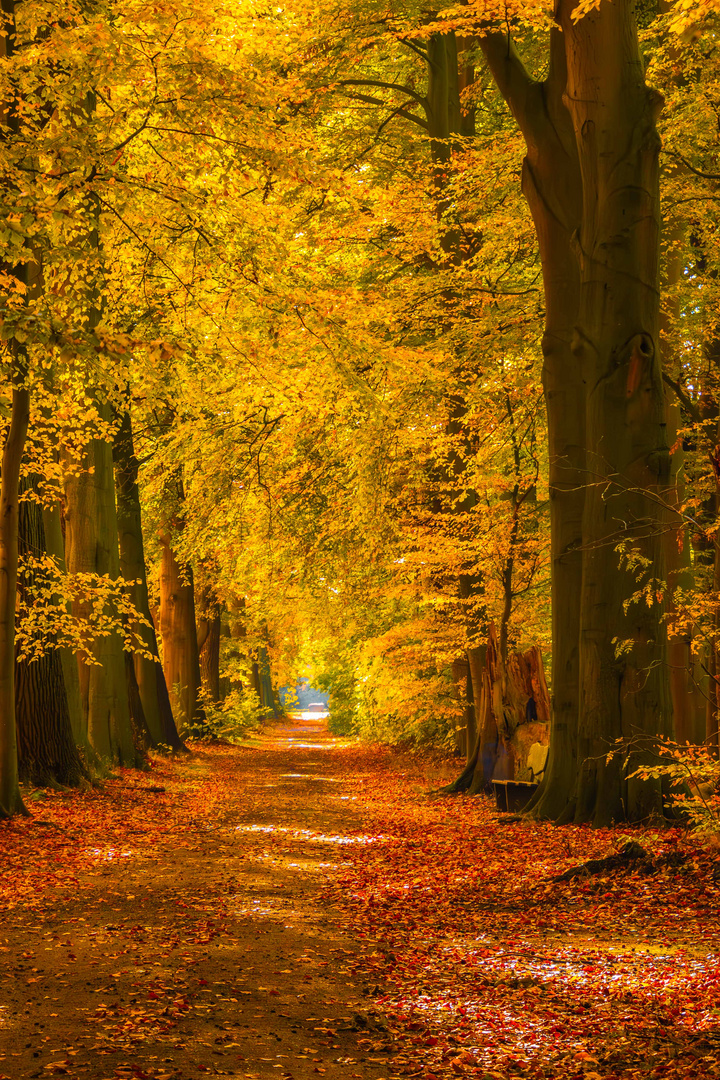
point(372, 343)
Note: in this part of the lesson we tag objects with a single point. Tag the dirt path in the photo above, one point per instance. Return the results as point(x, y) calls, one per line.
point(300, 907)
point(214, 958)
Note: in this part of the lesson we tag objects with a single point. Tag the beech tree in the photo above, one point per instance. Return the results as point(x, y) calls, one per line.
point(591, 177)
point(292, 247)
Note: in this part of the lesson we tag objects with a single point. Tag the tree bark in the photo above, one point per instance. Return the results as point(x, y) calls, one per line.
point(265, 688)
point(10, 799)
point(616, 344)
point(91, 547)
point(47, 753)
point(465, 734)
point(181, 662)
point(30, 273)
point(552, 185)
point(208, 635)
point(149, 676)
point(55, 546)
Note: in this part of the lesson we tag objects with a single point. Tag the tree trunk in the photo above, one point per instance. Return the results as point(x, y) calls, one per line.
point(46, 748)
point(30, 274)
point(208, 635)
point(10, 799)
point(552, 185)
point(91, 546)
point(149, 675)
point(264, 680)
point(181, 663)
point(616, 344)
point(465, 734)
point(591, 180)
point(712, 714)
point(688, 701)
point(55, 546)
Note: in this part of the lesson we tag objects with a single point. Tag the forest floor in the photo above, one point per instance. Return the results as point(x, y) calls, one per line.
point(300, 906)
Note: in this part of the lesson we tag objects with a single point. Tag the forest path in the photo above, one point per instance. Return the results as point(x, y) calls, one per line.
point(204, 949)
point(299, 907)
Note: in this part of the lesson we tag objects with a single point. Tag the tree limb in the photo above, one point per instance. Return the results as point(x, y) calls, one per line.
point(415, 48)
point(385, 86)
point(511, 76)
point(396, 112)
point(684, 398)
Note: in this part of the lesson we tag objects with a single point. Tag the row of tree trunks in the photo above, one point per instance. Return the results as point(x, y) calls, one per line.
point(70, 713)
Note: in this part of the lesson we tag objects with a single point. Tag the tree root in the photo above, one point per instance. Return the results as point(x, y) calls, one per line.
point(631, 856)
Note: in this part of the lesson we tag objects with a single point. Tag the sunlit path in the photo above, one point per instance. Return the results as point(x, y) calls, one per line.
point(299, 906)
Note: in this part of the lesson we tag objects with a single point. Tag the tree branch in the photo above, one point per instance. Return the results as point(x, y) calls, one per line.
point(415, 48)
point(384, 104)
point(684, 398)
point(511, 76)
point(686, 163)
point(385, 86)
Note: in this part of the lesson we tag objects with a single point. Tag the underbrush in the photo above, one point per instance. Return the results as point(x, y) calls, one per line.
point(230, 720)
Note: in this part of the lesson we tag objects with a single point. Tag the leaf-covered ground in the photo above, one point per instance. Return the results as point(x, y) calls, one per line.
point(300, 906)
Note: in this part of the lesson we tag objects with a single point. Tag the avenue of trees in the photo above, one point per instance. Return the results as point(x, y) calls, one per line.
point(376, 341)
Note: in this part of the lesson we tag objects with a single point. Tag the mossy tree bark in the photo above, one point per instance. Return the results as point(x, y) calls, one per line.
point(55, 546)
point(10, 798)
point(262, 675)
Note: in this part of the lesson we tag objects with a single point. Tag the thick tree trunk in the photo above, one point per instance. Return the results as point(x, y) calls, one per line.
point(617, 346)
point(591, 180)
point(552, 185)
point(55, 546)
point(91, 547)
point(181, 662)
point(148, 673)
point(10, 799)
point(47, 753)
point(513, 712)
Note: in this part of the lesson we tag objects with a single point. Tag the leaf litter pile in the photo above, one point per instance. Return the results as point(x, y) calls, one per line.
point(300, 906)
